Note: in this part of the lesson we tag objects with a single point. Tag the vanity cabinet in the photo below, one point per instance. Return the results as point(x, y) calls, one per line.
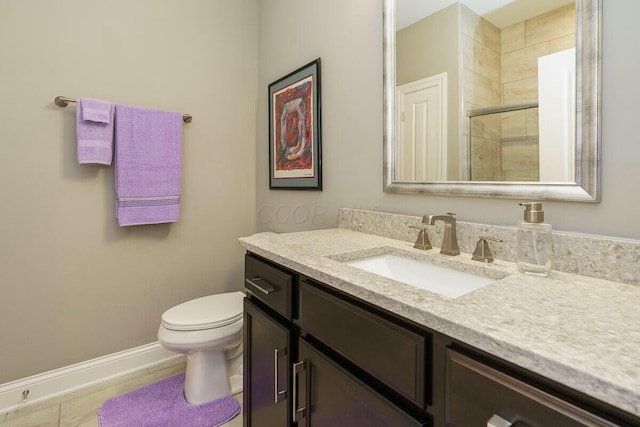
point(317, 357)
point(479, 396)
point(329, 396)
point(389, 352)
point(269, 344)
point(315, 361)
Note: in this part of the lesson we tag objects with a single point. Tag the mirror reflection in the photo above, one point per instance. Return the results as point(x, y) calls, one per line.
point(485, 92)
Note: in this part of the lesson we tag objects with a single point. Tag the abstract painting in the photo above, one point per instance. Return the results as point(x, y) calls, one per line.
point(294, 130)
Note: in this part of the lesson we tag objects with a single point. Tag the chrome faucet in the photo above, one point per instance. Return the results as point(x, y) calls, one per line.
point(450, 240)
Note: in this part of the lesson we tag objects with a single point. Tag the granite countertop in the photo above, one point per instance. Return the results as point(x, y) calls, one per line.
point(579, 331)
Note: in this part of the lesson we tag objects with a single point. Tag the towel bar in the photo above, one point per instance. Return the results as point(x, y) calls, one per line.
point(63, 101)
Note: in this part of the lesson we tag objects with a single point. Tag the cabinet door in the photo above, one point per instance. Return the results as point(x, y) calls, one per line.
point(328, 396)
point(267, 357)
point(388, 351)
point(479, 396)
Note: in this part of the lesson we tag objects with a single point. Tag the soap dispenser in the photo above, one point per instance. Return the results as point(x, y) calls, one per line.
point(534, 241)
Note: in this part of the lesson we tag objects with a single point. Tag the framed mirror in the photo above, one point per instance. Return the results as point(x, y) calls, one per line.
point(462, 117)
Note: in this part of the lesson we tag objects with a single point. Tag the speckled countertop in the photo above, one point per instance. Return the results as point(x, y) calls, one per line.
point(579, 331)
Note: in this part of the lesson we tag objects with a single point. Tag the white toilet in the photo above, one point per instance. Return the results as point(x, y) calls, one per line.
point(209, 331)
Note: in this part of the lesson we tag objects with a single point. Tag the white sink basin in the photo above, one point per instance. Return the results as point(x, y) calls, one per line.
point(434, 278)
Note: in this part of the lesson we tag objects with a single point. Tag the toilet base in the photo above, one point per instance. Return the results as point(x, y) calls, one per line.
point(236, 384)
point(206, 377)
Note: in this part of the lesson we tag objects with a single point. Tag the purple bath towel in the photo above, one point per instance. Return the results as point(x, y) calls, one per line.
point(94, 128)
point(148, 165)
point(162, 405)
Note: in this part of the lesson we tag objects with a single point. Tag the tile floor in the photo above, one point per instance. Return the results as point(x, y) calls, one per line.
point(80, 408)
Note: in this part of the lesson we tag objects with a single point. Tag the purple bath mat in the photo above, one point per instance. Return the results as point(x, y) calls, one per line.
point(162, 405)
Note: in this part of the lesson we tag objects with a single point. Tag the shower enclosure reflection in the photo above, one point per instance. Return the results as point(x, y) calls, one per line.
point(485, 93)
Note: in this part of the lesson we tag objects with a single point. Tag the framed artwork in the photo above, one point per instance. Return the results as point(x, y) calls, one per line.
point(294, 130)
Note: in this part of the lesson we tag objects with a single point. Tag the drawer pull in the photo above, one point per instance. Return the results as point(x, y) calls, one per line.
point(498, 421)
point(297, 368)
point(264, 289)
point(277, 394)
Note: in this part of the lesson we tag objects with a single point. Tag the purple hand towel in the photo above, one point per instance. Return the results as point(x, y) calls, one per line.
point(94, 127)
point(148, 165)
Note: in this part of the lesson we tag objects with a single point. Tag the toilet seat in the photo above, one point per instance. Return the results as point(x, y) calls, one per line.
point(210, 312)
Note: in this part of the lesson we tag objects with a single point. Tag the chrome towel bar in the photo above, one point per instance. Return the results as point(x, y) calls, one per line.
point(63, 101)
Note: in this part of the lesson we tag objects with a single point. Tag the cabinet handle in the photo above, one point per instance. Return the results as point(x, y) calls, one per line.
point(498, 421)
point(265, 290)
point(277, 394)
point(297, 368)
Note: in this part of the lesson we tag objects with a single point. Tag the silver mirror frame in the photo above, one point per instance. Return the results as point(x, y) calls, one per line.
point(588, 138)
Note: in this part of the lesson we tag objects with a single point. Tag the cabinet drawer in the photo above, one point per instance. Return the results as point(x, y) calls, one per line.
point(269, 284)
point(476, 393)
point(392, 354)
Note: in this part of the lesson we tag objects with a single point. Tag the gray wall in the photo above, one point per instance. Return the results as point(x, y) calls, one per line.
point(419, 57)
point(347, 35)
point(428, 47)
point(74, 285)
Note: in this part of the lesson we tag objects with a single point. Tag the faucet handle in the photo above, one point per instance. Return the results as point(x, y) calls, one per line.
point(482, 251)
point(451, 214)
point(422, 242)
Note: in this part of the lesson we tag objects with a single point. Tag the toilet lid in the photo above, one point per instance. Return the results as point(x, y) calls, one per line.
point(208, 312)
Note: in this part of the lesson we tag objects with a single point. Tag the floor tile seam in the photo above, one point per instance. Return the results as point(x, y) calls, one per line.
point(7, 418)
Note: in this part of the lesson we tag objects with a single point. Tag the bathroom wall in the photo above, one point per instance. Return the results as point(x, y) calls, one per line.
point(347, 35)
point(481, 88)
point(74, 285)
point(423, 49)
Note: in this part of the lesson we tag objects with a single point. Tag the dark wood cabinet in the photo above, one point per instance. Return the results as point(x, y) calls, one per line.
point(316, 357)
point(386, 350)
point(328, 396)
point(288, 382)
point(269, 284)
point(480, 396)
point(267, 352)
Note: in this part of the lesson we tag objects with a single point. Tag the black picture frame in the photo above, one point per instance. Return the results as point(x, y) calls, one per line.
point(295, 148)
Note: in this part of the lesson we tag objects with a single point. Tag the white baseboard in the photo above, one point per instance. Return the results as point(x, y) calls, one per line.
point(70, 378)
